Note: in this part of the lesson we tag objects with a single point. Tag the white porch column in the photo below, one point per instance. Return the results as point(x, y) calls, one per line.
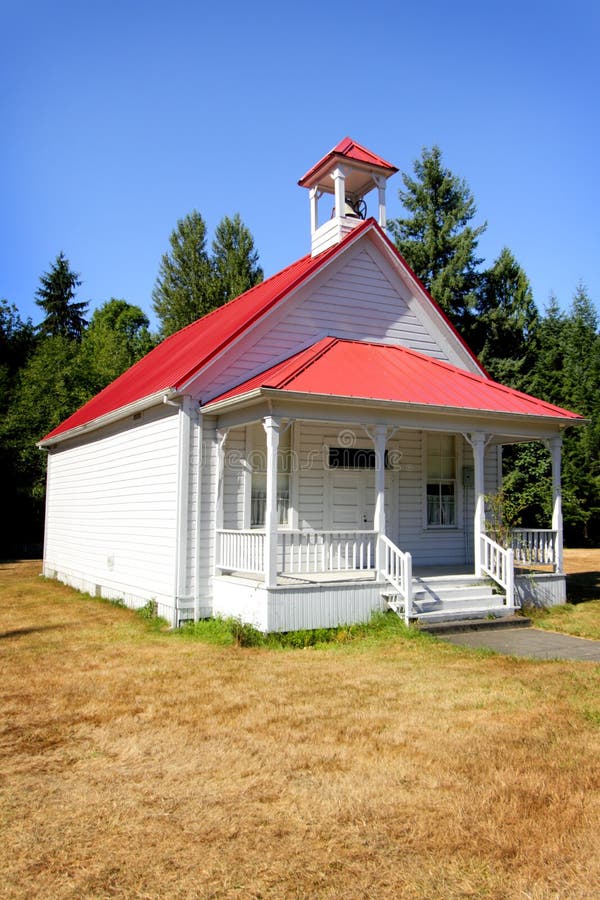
point(477, 440)
point(271, 426)
point(382, 218)
point(379, 440)
point(339, 181)
point(555, 446)
point(221, 438)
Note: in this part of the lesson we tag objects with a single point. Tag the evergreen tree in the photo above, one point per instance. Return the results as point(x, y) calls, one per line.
point(566, 372)
point(235, 260)
point(546, 380)
point(16, 342)
point(506, 320)
point(46, 393)
point(56, 296)
point(184, 289)
point(581, 391)
point(436, 238)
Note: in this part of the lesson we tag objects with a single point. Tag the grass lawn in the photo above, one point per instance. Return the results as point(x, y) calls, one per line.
point(581, 615)
point(135, 763)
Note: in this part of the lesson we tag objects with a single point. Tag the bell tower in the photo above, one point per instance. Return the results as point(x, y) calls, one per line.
point(349, 172)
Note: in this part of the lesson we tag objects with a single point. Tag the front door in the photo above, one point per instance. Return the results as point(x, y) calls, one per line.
point(352, 499)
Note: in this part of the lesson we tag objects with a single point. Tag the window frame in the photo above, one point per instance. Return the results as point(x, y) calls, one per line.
point(456, 482)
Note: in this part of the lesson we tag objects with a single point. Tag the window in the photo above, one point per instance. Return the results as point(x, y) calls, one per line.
point(258, 498)
point(441, 481)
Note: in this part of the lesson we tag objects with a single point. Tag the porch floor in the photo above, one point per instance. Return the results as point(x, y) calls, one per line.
point(348, 575)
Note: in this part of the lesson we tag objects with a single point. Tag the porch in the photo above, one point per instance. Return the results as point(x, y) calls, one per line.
point(417, 486)
point(330, 578)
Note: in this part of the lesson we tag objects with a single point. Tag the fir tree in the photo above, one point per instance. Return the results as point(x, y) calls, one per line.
point(56, 296)
point(235, 260)
point(436, 238)
point(507, 317)
point(184, 289)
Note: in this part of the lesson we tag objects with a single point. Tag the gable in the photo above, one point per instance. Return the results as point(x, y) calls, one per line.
point(358, 289)
point(360, 296)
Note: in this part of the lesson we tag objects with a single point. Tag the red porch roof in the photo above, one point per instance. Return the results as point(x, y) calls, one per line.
point(344, 368)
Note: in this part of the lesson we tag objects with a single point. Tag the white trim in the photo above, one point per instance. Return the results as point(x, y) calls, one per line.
point(247, 476)
point(272, 427)
point(163, 396)
point(183, 497)
point(555, 447)
point(294, 484)
point(459, 519)
point(399, 406)
point(198, 523)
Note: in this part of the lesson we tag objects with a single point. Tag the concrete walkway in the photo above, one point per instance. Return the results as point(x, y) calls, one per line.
point(530, 642)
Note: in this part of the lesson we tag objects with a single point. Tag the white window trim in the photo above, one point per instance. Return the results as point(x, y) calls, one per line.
point(458, 493)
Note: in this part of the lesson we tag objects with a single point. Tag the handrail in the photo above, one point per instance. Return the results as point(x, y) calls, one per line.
point(499, 564)
point(396, 567)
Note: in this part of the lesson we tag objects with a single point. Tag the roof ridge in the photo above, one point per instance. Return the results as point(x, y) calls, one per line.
point(326, 342)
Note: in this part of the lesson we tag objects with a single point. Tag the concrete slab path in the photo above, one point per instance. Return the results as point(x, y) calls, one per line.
point(530, 642)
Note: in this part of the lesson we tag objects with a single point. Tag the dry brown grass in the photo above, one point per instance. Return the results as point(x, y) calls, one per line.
point(136, 764)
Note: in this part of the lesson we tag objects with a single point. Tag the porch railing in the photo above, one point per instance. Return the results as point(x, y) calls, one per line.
point(305, 552)
point(298, 552)
point(396, 567)
point(535, 547)
point(241, 551)
point(498, 563)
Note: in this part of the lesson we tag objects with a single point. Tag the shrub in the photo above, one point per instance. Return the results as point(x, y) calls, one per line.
point(149, 611)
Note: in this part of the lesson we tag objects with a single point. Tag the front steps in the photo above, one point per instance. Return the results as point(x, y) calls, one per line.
point(452, 598)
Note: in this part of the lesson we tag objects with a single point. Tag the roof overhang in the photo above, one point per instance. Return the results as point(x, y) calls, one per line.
point(166, 395)
point(524, 425)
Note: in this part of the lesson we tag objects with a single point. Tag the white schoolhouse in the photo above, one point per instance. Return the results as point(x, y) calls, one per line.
point(318, 448)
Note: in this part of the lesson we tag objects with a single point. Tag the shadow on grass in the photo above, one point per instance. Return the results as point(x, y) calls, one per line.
point(22, 632)
point(582, 586)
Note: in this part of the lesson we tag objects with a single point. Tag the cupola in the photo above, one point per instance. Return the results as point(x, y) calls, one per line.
point(349, 172)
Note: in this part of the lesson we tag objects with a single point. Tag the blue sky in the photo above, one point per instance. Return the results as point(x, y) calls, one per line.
point(121, 117)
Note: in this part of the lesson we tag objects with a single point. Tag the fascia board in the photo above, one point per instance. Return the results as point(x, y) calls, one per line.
point(538, 426)
point(110, 418)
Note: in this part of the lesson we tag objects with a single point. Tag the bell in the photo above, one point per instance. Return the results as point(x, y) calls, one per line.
point(350, 211)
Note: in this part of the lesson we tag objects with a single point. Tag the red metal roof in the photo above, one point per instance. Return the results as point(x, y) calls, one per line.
point(182, 355)
point(350, 150)
point(344, 368)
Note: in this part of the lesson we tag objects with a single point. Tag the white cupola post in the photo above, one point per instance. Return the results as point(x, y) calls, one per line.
point(348, 172)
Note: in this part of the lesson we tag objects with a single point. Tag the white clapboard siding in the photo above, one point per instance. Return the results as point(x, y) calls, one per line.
point(112, 510)
point(359, 301)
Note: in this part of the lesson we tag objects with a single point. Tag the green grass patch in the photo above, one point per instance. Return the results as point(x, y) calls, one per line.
point(578, 620)
point(232, 632)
